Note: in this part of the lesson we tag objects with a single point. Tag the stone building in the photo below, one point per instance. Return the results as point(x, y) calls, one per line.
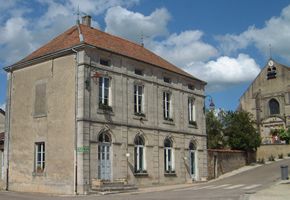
point(268, 99)
point(90, 108)
point(2, 130)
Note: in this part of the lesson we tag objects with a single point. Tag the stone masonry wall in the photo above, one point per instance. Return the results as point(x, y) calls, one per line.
point(223, 161)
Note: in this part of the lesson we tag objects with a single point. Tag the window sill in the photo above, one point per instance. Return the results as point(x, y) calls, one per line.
point(168, 122)
point(141, 174)
point(192, 126)
point(38, 173)
point(40, 116)
point(102, 111)
point(170, 174)
point(139, 117)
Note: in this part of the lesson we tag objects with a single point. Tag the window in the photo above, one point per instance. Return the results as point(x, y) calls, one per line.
point(191, 87)
point(167, 80)
point(191, 111)
point(105, 62)
point(139, 155)
point(139, 72)
point(168, 156)
point(104, 85)
point(167, 106)
point(138, 99)
point(40, 99)
point(274, 107)
point(39, 157)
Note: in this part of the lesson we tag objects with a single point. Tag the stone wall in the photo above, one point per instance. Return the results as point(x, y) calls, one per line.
point(223, 161)
point(264, 151)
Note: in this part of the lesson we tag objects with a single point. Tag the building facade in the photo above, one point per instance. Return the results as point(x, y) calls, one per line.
point(90, 107)
point(268, 99)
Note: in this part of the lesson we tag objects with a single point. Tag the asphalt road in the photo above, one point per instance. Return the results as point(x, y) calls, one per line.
point(237, 187)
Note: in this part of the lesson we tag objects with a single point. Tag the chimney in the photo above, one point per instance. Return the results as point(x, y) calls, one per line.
point(86, 20)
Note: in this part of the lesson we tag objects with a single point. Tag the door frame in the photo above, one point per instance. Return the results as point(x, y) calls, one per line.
point(195, 175)
point(104, 144)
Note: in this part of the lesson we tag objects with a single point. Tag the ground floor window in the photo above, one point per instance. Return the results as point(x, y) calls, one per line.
point(168, 156)
point(139, 155)
point(39, 157)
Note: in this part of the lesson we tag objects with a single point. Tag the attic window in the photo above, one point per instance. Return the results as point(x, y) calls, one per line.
point(167, 80)
point(139, 72)
point(191, 87)
point(105, 62)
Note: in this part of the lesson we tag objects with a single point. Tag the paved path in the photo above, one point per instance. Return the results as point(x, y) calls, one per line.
point(237, 187)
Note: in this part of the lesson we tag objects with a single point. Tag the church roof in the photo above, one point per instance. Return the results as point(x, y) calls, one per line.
point(83, 34)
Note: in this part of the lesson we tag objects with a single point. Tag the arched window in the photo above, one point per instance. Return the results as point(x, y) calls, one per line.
point(274, 107)
point(192, 146)
point(139, 154)
point(104, 138)
point(168, 156)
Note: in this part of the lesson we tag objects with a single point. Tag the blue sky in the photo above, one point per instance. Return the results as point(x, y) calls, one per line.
point(223, 42)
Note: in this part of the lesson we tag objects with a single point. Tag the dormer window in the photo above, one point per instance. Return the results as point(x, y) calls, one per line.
point(139, 72)
point(105, 62)
point(167, 80)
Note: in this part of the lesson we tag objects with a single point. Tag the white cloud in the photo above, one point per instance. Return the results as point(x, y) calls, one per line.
point(2, 106)
point(184, 48)
point(225, 71)
point(132, 25)
point(21, 32)
point(275, 32)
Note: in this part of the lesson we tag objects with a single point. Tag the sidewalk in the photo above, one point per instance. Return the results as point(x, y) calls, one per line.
point(279, 191)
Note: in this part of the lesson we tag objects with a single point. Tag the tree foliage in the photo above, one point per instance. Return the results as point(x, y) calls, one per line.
point(235, 130)
point(284, 135)
point(240, 129)
point(214, 131)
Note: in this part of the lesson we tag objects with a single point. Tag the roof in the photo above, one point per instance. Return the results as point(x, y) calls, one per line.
point(105, 41)
point(2, 111)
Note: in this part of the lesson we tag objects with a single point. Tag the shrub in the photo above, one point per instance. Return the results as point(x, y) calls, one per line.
point(280, 156)
point(271, 158)
point(288, 154)
point(261, 161)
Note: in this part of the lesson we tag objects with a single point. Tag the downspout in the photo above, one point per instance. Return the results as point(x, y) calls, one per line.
point(7, 127)
point(76, 107)
point(76, 127)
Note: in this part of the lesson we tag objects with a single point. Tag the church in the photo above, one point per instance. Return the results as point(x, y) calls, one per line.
point(268, 99)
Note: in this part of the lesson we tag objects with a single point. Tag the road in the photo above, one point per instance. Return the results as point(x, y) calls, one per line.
point(237, 187)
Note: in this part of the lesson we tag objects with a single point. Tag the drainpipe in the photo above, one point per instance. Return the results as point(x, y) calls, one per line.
point(76, 127)
point(7, 126)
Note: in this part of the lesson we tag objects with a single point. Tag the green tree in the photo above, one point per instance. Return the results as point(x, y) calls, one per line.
point(240, 129)
point(214, 128)
point(284, 135)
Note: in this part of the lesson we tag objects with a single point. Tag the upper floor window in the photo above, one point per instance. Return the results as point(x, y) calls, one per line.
point(139, 72)
point(105, 62)
point(191, 110)
point(168, 156)
point(39, 157)
point(191, 87)
point(167, 106)
point(139, 155)
point(166, 80)
point(138, 99)
point(104, 87)
point(274, 107)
